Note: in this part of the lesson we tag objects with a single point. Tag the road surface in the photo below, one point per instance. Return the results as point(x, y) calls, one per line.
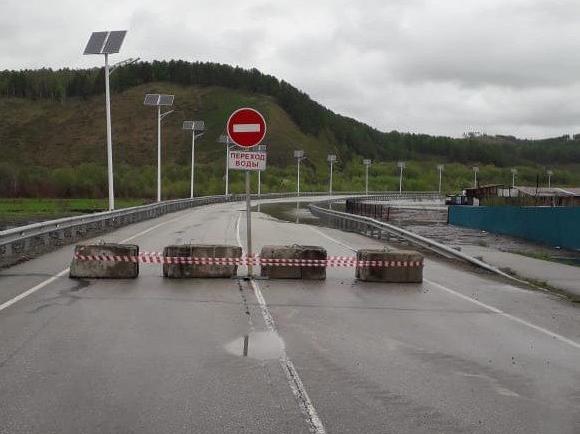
point(462, 352)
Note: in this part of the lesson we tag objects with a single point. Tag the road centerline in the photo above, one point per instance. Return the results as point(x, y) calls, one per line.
point(294, 380)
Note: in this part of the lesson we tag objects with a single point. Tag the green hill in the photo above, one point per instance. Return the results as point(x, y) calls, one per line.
point(52, 136)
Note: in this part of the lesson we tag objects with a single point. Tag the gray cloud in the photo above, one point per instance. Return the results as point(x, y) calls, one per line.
point(440, 67)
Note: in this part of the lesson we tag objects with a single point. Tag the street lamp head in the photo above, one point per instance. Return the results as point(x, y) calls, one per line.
point(299, 154)
point(367, 162)
point(475, 169)
point(440, 167)
point(224, 138)
point(331, 158)
point(105, 42)
point(401, 165)
point(156, 99)
point(194, 125)
point(514, 171)
point(550, 172)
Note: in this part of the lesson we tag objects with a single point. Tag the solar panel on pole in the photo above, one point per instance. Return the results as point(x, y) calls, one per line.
point(152, 99)
point(114, 42)
point(96, 42)
point(166, 99)
point(187, 125)
point(199, 125)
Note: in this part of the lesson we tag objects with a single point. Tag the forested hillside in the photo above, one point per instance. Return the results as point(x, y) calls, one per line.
point(52, 134)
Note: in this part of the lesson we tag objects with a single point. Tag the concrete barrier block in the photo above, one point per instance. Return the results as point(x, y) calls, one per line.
point(183, 271)
point(293, 271)
point(105, 269)
point(404, 266)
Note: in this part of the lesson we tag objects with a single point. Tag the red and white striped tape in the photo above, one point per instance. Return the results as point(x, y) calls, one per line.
point(331, 261)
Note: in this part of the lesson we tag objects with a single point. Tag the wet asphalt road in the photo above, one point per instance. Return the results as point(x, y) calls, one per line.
point(462, 352)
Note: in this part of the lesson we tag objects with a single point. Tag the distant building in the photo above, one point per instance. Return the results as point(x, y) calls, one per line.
point(497, 194)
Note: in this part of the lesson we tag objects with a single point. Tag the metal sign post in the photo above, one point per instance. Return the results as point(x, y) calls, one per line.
point(249, 223)
point(246, 128)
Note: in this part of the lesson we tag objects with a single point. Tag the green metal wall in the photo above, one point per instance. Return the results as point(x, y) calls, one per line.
point(556, 226)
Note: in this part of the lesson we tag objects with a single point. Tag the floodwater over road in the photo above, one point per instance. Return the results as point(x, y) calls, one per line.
point(431, 222)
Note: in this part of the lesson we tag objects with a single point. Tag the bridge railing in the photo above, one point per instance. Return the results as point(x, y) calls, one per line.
point(24, 242)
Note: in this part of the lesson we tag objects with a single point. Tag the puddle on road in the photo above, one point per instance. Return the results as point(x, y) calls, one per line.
point(263, 345)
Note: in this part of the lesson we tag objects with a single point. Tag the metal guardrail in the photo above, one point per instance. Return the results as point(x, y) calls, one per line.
point(22, 243)
point(376, 228)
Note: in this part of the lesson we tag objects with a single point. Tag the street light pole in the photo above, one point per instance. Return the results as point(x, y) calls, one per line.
point(192, 163)
point(440, 168)
point(401, 165)
point(108, 43)
point(550, 173)
point(260, 148)
point(514, 173)
point(475, 170)
point(299, 155)
point(109, 137)
point(367, 164)
point(331, 159)
point(158, 153)
point(193, 126)
point(158, 100)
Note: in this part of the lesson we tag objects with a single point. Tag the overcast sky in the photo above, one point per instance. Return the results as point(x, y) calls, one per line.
point(431, 66)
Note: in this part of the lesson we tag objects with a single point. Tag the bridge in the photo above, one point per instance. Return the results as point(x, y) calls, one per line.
point(470, 349)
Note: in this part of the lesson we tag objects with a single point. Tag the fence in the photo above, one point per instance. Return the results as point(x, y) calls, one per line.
point(556, 226)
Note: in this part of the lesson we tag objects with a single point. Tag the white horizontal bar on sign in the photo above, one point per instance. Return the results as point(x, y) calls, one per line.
point(247, 128)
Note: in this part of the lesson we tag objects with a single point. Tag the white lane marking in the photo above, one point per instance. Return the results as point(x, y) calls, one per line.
point(66, 270)
point(328, 237)
point(33, 289)
point(292, 375)
point(495, 310)
point(247, 128)
point(547, 332)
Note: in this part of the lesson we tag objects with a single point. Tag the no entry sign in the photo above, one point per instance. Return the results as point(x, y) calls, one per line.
point(246, 127)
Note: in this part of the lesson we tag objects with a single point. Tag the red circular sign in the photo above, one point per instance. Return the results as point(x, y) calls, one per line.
point(246, 127)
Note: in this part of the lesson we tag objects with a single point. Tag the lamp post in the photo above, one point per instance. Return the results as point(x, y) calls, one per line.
point(514, 173)
point(440, 168)
point(193, 126)
point(367, 164)
point(299, 155)
point(224, 138)
point(260, 148)
point(549, 173)
point(401, 165)
point(108, 43)
point(159, 100)
point(331, 159)
point(475, 170)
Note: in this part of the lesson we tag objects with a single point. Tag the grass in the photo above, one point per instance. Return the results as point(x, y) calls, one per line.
point(30, 207)
point(547, 257)
point(16, 212)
